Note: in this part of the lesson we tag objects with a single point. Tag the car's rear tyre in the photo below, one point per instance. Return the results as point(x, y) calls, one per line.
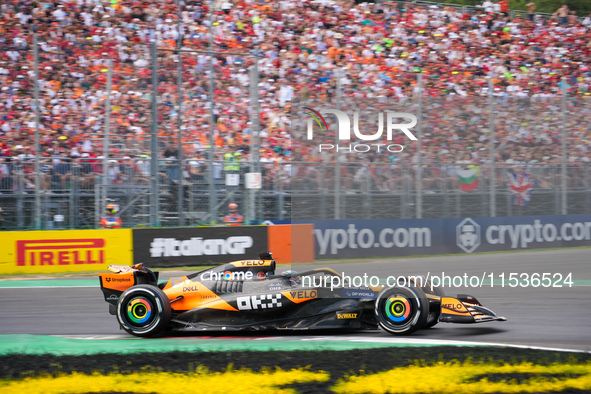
point(434, 308)
point(143, 310)
point(401, 310)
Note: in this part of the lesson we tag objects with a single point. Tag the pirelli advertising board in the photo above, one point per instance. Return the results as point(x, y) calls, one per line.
point(64, 251)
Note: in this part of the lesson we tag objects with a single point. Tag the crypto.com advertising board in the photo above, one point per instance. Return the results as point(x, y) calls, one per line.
point(26, 252)
point(405, 237)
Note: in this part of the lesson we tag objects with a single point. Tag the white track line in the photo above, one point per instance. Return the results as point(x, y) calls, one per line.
point(358, 339)
point(439, 342)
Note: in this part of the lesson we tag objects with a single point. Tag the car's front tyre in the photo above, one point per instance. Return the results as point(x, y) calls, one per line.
point(143, 310)
point(401, 310)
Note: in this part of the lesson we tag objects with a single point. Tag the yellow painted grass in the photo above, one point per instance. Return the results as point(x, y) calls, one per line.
point(246, 381)
point(459, 377)
point(453, 377)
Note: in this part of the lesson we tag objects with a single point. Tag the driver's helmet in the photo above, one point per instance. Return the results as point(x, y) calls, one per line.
point(266, 255)
point(111, 208)
point(293, 276)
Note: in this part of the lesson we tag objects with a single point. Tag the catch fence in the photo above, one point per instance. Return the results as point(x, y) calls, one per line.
point(71, 192)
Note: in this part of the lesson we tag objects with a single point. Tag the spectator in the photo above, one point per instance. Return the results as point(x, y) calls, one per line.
point(504, 5)
point(572, 18)
point(376, 49)
point(111, 220)
point(497, 7)
point(196, 170)
point(87, 174)
point(531, 10)
point(113, 170)
point(233, 218)
point(5, 175)
point(563, 13)
point(488, 6)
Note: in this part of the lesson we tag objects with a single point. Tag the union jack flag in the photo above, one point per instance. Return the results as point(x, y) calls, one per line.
point(520, 185)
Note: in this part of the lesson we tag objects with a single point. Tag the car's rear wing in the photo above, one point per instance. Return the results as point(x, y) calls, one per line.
point(122, 277)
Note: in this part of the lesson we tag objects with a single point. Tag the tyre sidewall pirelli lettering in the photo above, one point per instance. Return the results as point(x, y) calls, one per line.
point(27, 252)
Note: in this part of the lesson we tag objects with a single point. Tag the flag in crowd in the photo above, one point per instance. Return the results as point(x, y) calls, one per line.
point(468, 178)
point(520, 186)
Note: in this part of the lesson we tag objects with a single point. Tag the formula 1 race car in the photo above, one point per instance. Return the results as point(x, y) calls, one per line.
point(247, 295)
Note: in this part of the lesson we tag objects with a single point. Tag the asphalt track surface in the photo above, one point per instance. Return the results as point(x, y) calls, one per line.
point(556, 317)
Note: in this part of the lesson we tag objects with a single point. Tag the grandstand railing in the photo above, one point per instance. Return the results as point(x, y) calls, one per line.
point(71, 189)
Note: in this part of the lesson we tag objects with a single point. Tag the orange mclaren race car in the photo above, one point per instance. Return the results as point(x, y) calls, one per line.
point(248, 295)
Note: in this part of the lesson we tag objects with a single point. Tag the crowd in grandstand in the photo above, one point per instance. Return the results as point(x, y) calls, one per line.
point(377, 51)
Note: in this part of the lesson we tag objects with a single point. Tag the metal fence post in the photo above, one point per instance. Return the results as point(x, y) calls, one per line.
point(491, 146)
point(419, 206)
point(37, 148)
point(254, 133)
point(20, 195)
point(212, 190)
point(257, 145)
point(181, 186)
point(337, 167)
point(587, 186)
point(155, 204)
point(97, 199)
point(368, 188)
point(564, 209)
point(73, 197)
point(105, 182)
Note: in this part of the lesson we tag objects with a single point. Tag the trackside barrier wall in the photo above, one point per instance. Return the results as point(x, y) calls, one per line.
point(405, 237)
point(292, 243)
point(32, 252)
point(177, 247)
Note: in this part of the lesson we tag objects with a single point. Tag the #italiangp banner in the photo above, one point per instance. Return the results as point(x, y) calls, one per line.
point(31, 252)
point(191, 246)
